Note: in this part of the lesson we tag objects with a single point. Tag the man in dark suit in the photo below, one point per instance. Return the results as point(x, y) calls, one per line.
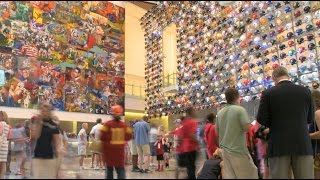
point(287, 109)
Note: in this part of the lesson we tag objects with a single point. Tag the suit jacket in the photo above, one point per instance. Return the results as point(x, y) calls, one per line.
point(287, 109)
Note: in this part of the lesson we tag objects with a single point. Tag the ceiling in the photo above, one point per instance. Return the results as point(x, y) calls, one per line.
point(144, 4)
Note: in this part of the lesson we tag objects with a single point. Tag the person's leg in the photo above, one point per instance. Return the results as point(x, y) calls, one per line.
point(17, 165)
point(316, 173)
point(109, 172)
point(244, 166)
point(140, 156)
point(121, 172)
point(99, 162)
point(162, 165)
point(228, 172)
point(8, 171)
point(302, 167)
point(23, 162)
point(3, 168)
point(191, 165)
point(279, 167)
point(92, 159)
point(146, 154)
point(152, 153)
point(81, 160)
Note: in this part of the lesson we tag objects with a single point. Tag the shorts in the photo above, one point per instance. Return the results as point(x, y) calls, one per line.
point(82, 150)
point(153, 149)
point(133, 148)
point(166, 155)
point(160, 157)
point(181, 160)
point(143, 149)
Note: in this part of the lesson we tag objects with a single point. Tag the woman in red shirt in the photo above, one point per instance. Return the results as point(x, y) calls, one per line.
point(210, 135)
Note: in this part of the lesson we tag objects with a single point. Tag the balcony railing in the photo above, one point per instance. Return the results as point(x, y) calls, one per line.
point(135, 90)
point(139, 90)
point(170, 79)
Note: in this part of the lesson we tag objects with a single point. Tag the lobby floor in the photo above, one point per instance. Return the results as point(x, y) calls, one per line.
point(71, 171)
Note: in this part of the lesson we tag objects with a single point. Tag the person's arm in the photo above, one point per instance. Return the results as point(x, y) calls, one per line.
point(263, 112)
point(311, 113)
point(128, 133)
point(57, 144)
point(199, 171)
point(193, 131)
point(316, 135)
point(244, 120)
point(92, 132)
point(81, 135)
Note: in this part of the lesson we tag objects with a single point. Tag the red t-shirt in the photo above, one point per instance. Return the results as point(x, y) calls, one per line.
point(189, 126)
point(210, 133)
point(178, 133)
point(159, 147)
point(249, 135)
point(114, 135)
point(205, 133)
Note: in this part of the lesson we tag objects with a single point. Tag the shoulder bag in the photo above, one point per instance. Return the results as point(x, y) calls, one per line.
point(316, 154)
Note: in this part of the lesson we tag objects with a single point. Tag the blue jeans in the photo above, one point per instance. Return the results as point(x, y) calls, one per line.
point(121, 173)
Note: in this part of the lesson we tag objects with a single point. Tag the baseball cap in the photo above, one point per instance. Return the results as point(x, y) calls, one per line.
point(117, 110)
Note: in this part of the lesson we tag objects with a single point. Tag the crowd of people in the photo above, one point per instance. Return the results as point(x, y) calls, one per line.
point(282, 143)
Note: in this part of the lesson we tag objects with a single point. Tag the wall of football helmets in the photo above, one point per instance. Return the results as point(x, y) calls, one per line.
point(230, 46)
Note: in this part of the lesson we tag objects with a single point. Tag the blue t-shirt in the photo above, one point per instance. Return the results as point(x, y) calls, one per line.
point(141, 133)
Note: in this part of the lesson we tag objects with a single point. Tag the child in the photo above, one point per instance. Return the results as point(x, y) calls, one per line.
point(212, 168)
point(159, 144)
point(167, 147)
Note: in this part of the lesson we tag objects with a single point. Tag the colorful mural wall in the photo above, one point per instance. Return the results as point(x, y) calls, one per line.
point(67, 53)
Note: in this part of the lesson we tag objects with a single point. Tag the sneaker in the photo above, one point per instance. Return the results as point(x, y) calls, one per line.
point(136, 170)
point(146, 171)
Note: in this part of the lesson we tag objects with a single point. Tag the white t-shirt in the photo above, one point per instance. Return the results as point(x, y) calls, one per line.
point(95, 131)
point(153, 135)
point(84, 134)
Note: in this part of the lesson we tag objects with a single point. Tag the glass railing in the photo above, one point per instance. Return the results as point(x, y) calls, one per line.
point(170, 79)
point(135, 90)
point(139, 90)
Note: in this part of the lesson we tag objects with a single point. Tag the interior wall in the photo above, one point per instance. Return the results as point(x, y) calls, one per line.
point(164, 121)
point(170, 49)
point(134, 44)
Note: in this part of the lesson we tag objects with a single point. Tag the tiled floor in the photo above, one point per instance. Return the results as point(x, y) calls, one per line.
point(71, 171)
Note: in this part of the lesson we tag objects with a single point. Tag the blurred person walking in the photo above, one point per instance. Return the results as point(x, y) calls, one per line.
point(134, 151)
point(288, 148)
point(141, 137)
point(177, 136)
point(63, 147)
point(152, 139)
point(96, 145)
point(47, 149)
point(315, 134)
point(189, 142)
point(20, 137)
point(114, 135)
point(232, 124)
point(4, 136)
point(210, 135)
point(82, 144)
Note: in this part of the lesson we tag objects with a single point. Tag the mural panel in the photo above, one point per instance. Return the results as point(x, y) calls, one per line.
point(67, 53)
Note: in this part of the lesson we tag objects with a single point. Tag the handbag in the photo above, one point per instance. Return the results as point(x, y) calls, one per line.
point(316, 162)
